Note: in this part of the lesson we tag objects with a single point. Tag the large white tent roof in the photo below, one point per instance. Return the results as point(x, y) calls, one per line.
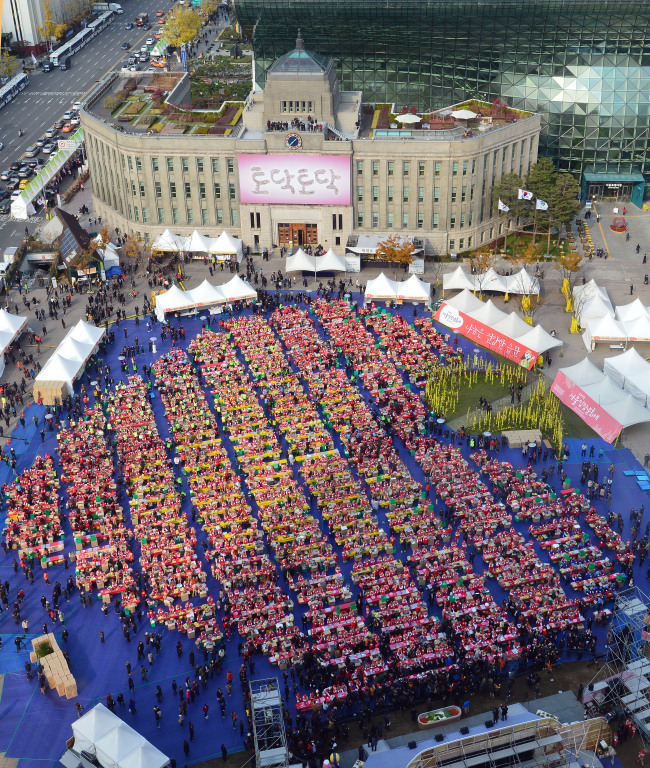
point(117, 744)
point(206, 293)
point(588, 290)
point(168, 241)
point(197, 243)
point(72, 349)
point(631, 311)
point(538, 339)
point(606, 328)
point(174, 299)
point(522, 283)
point(638, 329)
point(491, 280)
point(92, 726)
point(414, 289)
point(301, 262)
point(330, 262)
point(11, 323)
point(489, 314)
point(458, 280)
point(238, 289)
point(226, 244)
point(512, 325)
point(381, 287)
point(144, 756)
point(85, 332)
point(631, 372)
point(593, 308)
point(465, 301)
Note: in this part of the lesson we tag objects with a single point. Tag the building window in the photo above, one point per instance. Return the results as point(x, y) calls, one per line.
point(473, 165)
point(161, 215)
point(420, 221)
point(172, 189)
point(147, 238)
point(141, 185)
point(461, 243)
point(391, 192)
point(436, 169)
point(470, 217)
point(170, 164)
point(185, 164)
point(138, 163)
point(231, 191)
point(175, 218)
point(136, 213)
point(204, 217)
point(359, 167)
point(133, 192)
point(130, 162)
point(375, 219)
point(360, 219)
point(454, 194)
point(436, 219)
point(154, 164)
point(405, 194)
point(128, 207)
point(199, 165)
point(389, 220)
point(421, 168)
point(420, 194)
point(463, 194)
point(464, 167)
point(462, 220)
point(188, 190)
point(230, 163)
point(337, 221)
point(452, 221)
point(215, 165)
point(375, 194)
point(375, 167)
point(234, 217)
point(219, 213)
point(469, 242)
point(436, 194)
point(284, 106)
point(217, 191)
point(471, 192)
point(123, 162)
point(190, 216)
point(454, 168)
point(157, 189)
point(202, 191)
point(360, 194)
point(391, 167)
point(405, 219)
point(255, 220)
point(145, 215)
point(406, 168)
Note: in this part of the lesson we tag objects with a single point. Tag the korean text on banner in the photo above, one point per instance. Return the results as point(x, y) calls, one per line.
point(294, 179)
point(487, 337)
point(588, 409)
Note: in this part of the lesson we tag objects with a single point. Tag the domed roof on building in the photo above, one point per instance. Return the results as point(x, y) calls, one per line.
point(300, 61)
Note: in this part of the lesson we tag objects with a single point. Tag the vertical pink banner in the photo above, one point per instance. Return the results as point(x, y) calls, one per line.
point(588, 409)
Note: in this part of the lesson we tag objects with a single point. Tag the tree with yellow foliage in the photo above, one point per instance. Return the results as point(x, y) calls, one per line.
point(396, 248)
point(183, 25)
point(50, 29)
point(8, 64)
point(570, 267)
point(481, 263)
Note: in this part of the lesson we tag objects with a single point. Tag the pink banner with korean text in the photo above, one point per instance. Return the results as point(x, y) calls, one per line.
point(294, 179)
point(586, 407)
point(485, 336)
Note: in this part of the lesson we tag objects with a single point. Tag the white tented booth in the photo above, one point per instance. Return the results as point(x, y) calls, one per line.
point(227, 248)
point(300, 261)
point(632, 373)
point(204, 296)
point(330, 262)
point(111, 743)
point(414, 289)
point(381, 288)
point(11, 327)
point(521, 283)
point(71, 355)
point(223, 248)
point(607, 329)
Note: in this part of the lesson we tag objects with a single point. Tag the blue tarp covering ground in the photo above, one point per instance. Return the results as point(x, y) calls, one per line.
point(34, 727)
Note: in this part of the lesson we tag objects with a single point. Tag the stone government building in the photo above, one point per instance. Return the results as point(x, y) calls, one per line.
point(307, 163)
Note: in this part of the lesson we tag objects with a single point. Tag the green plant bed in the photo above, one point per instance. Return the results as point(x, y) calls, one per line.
point(44, 649)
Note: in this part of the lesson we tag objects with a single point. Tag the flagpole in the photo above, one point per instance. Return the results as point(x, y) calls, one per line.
point(535, 224)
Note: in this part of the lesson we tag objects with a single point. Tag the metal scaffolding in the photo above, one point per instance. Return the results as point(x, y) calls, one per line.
point(623, 680)
point(268, 724)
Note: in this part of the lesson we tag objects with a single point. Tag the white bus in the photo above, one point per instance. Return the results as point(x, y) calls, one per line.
point(12, 89)
point(68, 49)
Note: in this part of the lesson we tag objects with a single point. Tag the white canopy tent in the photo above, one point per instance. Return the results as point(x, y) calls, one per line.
point(226, 246)
point(414, 289)
point(197, 243)
point(465, 301)
point(238, 289)
point(458, 280)
point(638, 329)
point(489, 314)
point(491, 280)
point(632, 373)
point(330, 262)
point(635, 309)
point(512, 325)
point(144, 756)
point(522, 282)
point(71, 355)
point(168, 241)
point(92, 726)
point(538, 339)
point(584, 292)
point(301, 262)
point(117, 744)
point(206, 294)
point(381, 288)
point(173, 300)
point(593, 308)
point(11, 327)
point(606, 328)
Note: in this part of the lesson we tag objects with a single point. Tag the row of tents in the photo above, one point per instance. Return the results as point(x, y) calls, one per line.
point(605, 323)
point(304, 262)
point(382, 288)
point(204, 296)
point(521, 283)
point(11, 327)
point(224, 248)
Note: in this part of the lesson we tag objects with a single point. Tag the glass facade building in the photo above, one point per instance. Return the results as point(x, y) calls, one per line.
point(584, 66)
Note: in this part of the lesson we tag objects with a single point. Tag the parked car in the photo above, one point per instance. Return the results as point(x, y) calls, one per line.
point(67, 115)
point(36, 163)
point(16, 193)
point(47, 67)
point(49, 148)
point(157, 35)
point(32, 150)
point(4, 175)
point(76, 106)
point(13, 183)
point(23, 184)
point(67, 128)
point(149, 41)
point(134, 67)
point(50, 133)
point(5, 207)
point(58, 124)
point(25, 172)
point(41, 141)
point(3, 193)
point(15, 165)
point(74, 120)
